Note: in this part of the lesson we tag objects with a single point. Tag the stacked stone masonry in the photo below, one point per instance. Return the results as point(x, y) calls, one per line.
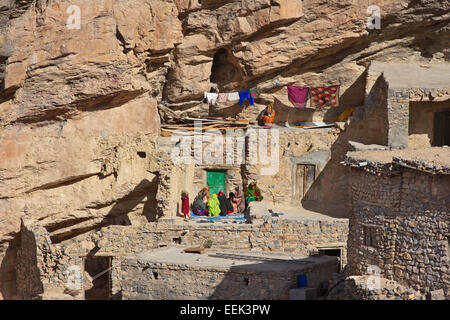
point(145, 279)
point(52, 262)
point(399, 225)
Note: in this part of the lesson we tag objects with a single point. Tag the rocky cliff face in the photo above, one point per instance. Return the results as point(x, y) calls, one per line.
point(79, 113)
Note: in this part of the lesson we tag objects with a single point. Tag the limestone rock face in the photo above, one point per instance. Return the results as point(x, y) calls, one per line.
point(78, 117)
point(80, 83)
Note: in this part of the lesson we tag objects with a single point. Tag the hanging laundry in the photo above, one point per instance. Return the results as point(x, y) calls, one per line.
point(245, 95)
point(325, 96)
point(255, 92)
point(298, 96)
point(211, 97)
point(223, 97)
point(233, 96)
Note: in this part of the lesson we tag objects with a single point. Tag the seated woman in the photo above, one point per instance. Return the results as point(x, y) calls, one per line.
point(225, 204)
point(232, 199)
point(253, 193)
point(206, 192)
point(199, 207)
point(214, 206)
point(239, 199)
point(268, 117)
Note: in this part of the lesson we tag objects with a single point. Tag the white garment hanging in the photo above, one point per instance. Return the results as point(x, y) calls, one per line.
point(211, 97)
point(233, 96)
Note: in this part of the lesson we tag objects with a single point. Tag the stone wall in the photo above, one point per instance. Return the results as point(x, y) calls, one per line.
point(399, 224)
point(301, 236)
point(423, 230)
point(29, 283)
point(42, 267)
point(147, 280)
point(371, 224)
point(362, 288)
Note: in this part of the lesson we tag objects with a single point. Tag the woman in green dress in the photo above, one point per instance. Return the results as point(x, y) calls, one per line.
point(253, 193)
point(214, 206)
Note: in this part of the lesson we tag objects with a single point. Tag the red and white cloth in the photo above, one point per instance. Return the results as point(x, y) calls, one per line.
point(325, 96)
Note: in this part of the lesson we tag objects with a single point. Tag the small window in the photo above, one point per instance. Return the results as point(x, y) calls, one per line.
point(369, 236)
point(142, 154)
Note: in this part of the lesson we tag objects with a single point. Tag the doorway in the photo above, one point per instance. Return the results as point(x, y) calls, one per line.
point(99, 268)
point(215, 180)
point(305, 175)
point(333, 252)
point(441, 129)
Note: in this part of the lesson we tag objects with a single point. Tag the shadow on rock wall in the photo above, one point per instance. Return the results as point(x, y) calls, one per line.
point(8, 282)
point(144, 192)
point(330, 189)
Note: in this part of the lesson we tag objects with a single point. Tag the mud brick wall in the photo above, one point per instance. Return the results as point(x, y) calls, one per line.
point(146, 280)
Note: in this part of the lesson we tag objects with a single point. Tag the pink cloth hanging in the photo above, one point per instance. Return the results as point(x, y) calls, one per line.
point(298, 96)
point(223, 97)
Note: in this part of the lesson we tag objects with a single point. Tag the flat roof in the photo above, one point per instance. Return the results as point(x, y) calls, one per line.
point(412, 75)
point(222, 259)
point(434, 159)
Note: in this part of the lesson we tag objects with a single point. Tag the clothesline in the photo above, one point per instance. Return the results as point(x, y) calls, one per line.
point(242, 96)
point(298, 96)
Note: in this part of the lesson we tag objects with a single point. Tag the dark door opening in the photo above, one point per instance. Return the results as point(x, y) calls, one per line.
point(441, 129)
point(98, 268)
point(332, 253)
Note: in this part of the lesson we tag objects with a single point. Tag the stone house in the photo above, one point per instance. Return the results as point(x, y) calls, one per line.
point(407, 105)
point(399, 222)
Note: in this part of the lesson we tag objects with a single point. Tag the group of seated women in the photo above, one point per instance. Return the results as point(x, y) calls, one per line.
point(218, 204)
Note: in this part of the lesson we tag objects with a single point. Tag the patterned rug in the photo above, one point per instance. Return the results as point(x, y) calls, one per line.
point(325, 96)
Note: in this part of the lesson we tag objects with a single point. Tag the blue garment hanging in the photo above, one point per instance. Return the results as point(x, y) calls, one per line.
point(245, 95)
